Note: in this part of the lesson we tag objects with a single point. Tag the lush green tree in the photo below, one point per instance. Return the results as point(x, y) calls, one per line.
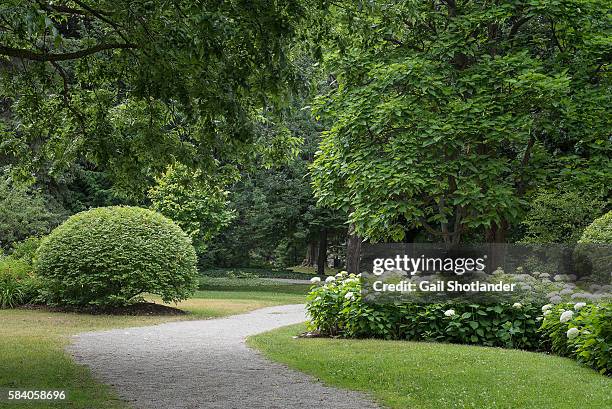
point(277, 220)
point(446, 113)
point(23, 213)
point(196, 203)
point(131, 86)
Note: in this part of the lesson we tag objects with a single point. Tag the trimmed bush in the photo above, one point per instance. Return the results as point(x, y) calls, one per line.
point(593, 249)
point(598, 232)
point(18, 284)
point(110, 256)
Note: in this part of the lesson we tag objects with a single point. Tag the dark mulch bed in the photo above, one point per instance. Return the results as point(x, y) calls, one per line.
point(143, 308)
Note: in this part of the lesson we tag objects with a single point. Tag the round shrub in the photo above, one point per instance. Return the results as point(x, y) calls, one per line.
point(109, 256)
point(598, 232)
point(592, 254)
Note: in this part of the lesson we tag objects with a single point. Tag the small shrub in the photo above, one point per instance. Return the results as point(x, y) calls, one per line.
point(598, 232)
point(111, 255)
point(580, 331)
point(593, 249)
point(18, 284)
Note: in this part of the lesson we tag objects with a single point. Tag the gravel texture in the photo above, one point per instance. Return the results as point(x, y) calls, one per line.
point(205, 364)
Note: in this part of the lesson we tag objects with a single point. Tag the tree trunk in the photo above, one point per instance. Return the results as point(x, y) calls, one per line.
point(496, 235)
point(353, 250)
point(322, 256)
point(311, 254)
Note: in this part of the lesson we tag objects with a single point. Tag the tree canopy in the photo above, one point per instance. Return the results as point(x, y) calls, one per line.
point(447, 113)
point(134, 86)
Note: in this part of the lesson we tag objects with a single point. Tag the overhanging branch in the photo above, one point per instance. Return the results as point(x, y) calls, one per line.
point(34, 56)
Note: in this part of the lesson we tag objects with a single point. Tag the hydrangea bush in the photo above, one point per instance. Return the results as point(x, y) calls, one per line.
point(337, 309)
point(580, 331)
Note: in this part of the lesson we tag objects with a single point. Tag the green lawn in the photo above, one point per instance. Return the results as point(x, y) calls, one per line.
point(259, 285)
point(413, 375)
point(32, 344)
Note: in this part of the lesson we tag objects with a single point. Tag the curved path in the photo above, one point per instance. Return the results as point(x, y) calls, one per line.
point(205, 364)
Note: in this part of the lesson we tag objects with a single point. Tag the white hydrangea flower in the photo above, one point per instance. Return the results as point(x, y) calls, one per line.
point(555, 299)
point(546, 307)
point(315, 280)
point(449, 313)
point(572, 332)
point(517, 305)
point(330, 279)
point(579, 305)
point(566, 316)
point(539, 318)
point(546, 312)
point(349, 296)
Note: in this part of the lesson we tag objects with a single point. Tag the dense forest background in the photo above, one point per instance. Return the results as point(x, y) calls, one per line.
point(279, 134)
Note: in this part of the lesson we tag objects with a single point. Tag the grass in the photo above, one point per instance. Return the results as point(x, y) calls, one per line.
point(402, 374)
point(257, 272)
point(251, 284)
point(313, 270)
point(32, 345)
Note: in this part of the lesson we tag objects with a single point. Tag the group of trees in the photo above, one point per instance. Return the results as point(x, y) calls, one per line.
point(275, 131)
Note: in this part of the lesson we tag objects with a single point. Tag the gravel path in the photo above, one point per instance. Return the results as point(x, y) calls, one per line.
point(205, 364)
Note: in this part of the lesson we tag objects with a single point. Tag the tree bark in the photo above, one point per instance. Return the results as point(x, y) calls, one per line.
point(353, 250)
point(322, 256)
point(311, 254)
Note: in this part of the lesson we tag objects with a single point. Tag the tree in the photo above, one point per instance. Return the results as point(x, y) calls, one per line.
point(447, 113)
point(23, 213)
point(193, 201)
point(131, 86)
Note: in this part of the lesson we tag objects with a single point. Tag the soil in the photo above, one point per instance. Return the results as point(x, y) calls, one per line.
point(137, 309)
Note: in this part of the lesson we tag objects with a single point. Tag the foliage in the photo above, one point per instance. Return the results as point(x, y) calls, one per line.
point(18, 284)
point(111, 255)
point(25, 250)
point(600, 231)
point(23, 213)
point(276, 213)
point(586, 335)
point(446, 116)
point(131, 86)
point(336, 308)
point(560, 216)
point(194, 202)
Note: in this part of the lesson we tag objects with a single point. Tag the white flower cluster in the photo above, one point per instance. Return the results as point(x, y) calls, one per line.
point(566, 316)
point(449, 313)
point(572, 333)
